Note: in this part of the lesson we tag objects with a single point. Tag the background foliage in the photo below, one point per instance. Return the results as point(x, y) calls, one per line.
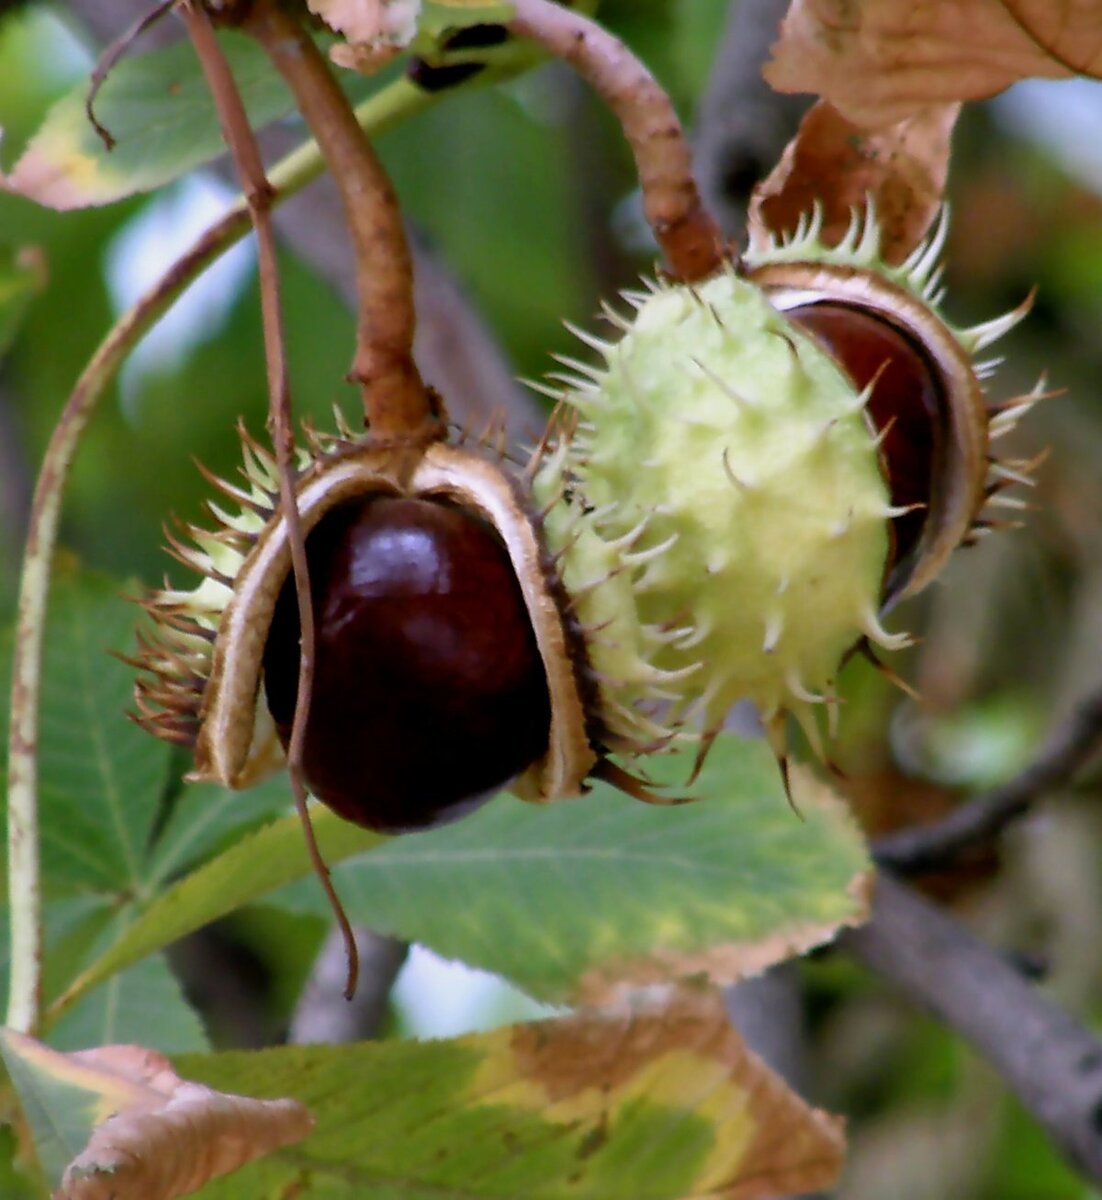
point(527, 193)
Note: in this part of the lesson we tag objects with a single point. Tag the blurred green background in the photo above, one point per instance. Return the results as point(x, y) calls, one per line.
point(526, 192)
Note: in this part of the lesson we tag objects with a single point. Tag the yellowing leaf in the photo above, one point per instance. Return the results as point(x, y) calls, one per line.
point(147, 1134)
point(839, 166)
point(158, 108)
point(879, 61)
point(656, 1101)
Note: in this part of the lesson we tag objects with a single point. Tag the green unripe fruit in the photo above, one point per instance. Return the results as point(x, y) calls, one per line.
point(720, 496)
point(725, 519)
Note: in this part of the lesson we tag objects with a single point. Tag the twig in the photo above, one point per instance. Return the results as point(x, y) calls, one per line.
point(690, 238)
point(397, 404)
point(1045, 1056)
point(258, 192)
point(452, 340)
point(23, 857)
point(930, 847)
point(25, 910)
point(110, 56)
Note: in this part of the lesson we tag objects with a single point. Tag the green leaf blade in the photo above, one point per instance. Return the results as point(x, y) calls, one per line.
point(256, 865)
point(143, 1004)
point(647, 1103)
point(101, 778)
point(572, 901)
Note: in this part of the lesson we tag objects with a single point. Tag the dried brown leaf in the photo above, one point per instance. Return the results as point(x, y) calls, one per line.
point(831, 162)
point(879, 61)
point(158, 1136)
point(372, 23)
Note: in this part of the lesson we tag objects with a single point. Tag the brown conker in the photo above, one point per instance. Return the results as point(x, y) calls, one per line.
point(429, 691)
point(906, 404)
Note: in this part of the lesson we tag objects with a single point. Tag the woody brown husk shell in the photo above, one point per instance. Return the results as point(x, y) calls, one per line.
point(202, 670)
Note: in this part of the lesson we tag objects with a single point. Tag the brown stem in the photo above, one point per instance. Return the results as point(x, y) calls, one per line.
point(259, 195)
point(107, 60)
point(397, 405)
point(690, 238)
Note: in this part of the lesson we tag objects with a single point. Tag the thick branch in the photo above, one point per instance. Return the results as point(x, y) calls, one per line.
point(929, 847)
point(690, 239)
point(1048, 1059)
point(324, 1014)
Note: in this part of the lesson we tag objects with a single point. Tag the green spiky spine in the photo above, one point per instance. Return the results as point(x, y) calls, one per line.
point(722, 520)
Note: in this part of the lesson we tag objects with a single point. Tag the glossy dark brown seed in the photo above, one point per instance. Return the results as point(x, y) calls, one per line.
point(906, 400)
point(429, 689)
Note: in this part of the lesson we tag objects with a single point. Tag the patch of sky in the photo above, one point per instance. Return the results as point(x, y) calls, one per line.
point(438, 998)
point(1065, 116)
point(140, 254)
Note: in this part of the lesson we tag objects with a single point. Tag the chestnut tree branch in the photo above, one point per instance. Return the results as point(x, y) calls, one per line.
point(323, 1014)
point(1050, 1061)
point(930, 847)
point(451, 342)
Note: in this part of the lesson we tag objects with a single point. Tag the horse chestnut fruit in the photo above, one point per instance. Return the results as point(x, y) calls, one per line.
point(906, 402)
point(447, 664)
point(429, 693)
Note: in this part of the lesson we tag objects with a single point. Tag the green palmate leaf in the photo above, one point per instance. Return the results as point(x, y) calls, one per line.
point(101, 778)
point(650, 1104)
point(253, 867)
point(143, 1004)
point(572, 900)
point(205, 818)
point(108, 844)
point(159, 111)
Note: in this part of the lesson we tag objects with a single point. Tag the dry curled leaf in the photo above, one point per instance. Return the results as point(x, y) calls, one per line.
point(154, 1136)
point(377, 24)
point(878, 61)
point(831, 162)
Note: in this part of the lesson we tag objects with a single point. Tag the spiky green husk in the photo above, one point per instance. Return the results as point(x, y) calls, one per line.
point(722, 519)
